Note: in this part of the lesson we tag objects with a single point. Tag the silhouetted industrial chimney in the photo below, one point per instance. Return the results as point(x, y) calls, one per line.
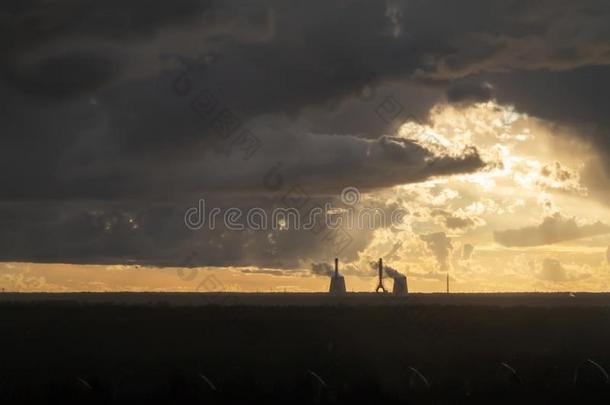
point(380, 285)
point(337, 282)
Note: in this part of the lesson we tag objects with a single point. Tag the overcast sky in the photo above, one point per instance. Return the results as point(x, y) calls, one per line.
point(486, 122)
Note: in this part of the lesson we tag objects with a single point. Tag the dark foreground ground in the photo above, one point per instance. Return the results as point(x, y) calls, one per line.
point(425, 349)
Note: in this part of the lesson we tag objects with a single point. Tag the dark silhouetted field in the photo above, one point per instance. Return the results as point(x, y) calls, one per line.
point(304, 348)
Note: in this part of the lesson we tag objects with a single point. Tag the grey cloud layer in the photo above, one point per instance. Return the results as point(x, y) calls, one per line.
point(553, 229)
point(262, 58)
point(92, 126)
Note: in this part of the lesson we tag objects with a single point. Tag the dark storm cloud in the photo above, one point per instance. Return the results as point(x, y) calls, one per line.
point(46, 42)
point(92, 121)
point(553, 229)
point(470, 91)
point(571, 97)
point(68, 74)
point(308, 160)
point(297, 57)
point(155, 234)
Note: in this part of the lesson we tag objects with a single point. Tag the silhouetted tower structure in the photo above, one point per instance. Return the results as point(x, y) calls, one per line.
point(337, 282)
point(380, 285)
point(447, 283)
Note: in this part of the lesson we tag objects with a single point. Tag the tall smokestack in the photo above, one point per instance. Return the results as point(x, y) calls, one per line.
point(380, 285)
point(336, 267)
point(447, 283)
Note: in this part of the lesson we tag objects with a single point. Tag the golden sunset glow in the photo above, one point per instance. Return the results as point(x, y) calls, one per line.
point(533, 172)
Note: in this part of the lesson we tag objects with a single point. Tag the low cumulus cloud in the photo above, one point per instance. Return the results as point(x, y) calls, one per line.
point(440, 246)
point(552, 270)
point(553, 229)
point(558, 177)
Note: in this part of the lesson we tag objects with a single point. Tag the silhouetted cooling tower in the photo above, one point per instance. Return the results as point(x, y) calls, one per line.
point(337, 282)
point(400, 285)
